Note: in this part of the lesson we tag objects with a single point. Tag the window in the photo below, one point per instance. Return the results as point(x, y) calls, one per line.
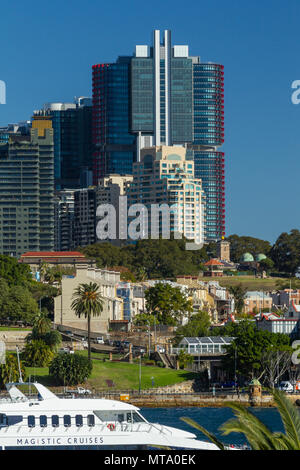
point(3, 420)
point(67, 421)
point(31, 421)
point(55, 421)
point(43, 421)
point(79, 420)
point(91, 420)
point(135, 417)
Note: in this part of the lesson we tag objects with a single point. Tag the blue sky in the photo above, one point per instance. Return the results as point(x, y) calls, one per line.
point(47, 50)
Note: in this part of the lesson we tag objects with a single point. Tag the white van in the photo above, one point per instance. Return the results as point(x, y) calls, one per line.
point(100, 340)
point(286, 387)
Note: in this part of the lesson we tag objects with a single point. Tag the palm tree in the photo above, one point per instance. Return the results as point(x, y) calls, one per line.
point(42, 323)
point(259, 436)
point(88, 302)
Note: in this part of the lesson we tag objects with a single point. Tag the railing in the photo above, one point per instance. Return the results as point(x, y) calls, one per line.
point(198, 352)
point(109, 426)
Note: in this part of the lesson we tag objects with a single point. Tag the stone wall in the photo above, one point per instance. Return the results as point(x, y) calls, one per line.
point(13, 338)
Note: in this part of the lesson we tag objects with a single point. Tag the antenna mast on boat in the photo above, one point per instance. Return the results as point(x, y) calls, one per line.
point(20, 373)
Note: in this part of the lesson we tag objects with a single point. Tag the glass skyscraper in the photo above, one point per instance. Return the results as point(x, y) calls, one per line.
point(162, 96)
point(72, 127)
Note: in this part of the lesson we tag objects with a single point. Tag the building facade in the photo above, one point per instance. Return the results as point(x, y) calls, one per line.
point(64, 315)
point(164, 177)
point(72, 127)
point(27, 192)
point(84, 217)
point(256, 301)
point(64, 220)
point(161, 95)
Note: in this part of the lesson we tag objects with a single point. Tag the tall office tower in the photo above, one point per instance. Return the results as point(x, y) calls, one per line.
point(64, 220)
point(165, 176)
point(162, 96)
point(84, 217)
point(114, 145)
point(26, 188)
point(72, 126)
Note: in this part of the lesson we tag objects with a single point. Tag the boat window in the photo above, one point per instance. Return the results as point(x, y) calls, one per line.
point(43, 421)
point(11, 420)
point(135, 418)
point(31, 421)
point(3, 420)
point(79, 420)
point(119, 416)
point(55, 421)
point(67, 421)
point(91, 420)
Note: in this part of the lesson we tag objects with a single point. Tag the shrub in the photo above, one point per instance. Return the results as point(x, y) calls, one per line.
point(70, 369)
point(9, 372)
point(37, 354)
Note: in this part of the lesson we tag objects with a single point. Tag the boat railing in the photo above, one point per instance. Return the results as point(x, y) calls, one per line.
point(134, 427)
point(106, 427)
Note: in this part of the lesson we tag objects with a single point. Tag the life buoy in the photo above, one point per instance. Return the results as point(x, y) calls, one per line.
point(111, 426)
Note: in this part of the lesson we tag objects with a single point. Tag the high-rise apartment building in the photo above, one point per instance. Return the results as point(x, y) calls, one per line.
point(72, 126)
point(64, 220)
point(161, 95)
point(109, 191)
point(26, 192)
point(84, 217)
point(165, 177)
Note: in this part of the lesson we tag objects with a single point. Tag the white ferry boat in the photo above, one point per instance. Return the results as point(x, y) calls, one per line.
point(50, 422)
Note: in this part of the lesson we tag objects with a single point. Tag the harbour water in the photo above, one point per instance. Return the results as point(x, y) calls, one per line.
point(211, 419)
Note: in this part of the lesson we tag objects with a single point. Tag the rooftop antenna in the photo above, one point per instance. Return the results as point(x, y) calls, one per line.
point(20, 373)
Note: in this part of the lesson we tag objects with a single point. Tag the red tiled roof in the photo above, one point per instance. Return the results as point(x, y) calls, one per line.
point(52, 254)
point(213, 262)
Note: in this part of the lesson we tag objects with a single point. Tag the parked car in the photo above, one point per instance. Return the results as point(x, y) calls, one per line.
point(80, 391)
point(286, 386)
point(139, 349)
point(229, 384)
point(160, 349)
point(66, 350)
point(117, 344)
point(83, 391)
point(85, 344)
point(100, 340)
point(126, 344)
point(109, 342)
point(68, 332)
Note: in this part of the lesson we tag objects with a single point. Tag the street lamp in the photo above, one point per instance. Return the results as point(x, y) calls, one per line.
point(140, 374)
point(149, 337)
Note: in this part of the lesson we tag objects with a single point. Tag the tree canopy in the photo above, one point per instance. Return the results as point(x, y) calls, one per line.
point(149, 259)
point(168, 304)
point(286, 252)
point(247, 351)
point(13, 272)
point(244, 244)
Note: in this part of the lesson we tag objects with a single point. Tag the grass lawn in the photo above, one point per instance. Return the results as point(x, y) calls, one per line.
point(124, 375)
point(251, 282)
point(9, 328)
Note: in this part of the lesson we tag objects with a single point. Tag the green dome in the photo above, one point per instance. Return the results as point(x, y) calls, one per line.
point(247, 258)
point(260, 257)
point(255, 382)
